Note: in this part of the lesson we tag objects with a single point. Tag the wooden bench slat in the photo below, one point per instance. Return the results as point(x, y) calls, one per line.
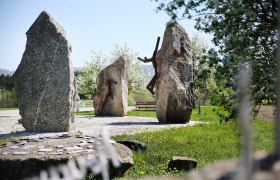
point(145, 105)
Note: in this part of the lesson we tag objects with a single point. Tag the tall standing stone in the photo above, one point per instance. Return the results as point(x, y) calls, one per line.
point(45, 79)
point(112, 89)
point(175, 73)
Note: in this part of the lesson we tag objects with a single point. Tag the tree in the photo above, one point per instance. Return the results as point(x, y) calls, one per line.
point(245, 31)
point(86, 80)
point(203, 74)
point(7, 82)
point(136, 79)
point(8, 98)
point(7, 91)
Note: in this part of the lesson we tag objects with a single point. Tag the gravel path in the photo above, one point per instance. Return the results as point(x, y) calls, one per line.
point(88, 125)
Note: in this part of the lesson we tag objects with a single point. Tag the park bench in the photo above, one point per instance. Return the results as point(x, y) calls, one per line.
point(151, 106)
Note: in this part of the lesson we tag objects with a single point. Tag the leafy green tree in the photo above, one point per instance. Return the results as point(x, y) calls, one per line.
point(244, 31)
point(136, 79)
point(7, 82)
point(203, 74)
point(86, 80)
point(8, 98)
point(7, 91)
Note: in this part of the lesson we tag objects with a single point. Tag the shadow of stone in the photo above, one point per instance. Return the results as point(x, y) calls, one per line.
point(134, 123)
point(28, 134)
point(85, 116)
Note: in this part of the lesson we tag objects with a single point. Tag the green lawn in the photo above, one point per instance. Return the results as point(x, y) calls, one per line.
point(4, 140)
point(208, 113)
point(84, 113)
point(141, 113)
point(207, 143)
point(130, 113)
point(2, 109)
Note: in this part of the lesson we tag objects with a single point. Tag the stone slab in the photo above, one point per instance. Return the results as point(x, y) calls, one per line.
point(45, 150)
point(74, 148)
point(55, 153)
point(14, 147)
point(20, 153)
point(18, 166)
point(60, 146)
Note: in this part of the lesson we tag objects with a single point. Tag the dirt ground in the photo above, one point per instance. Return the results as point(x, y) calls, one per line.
point(267, 113)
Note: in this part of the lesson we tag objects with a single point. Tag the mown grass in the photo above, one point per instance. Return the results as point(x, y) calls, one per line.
point(84, 113)
point(207, 143)
point(141, 113)
point(130, 113)
point(2, 109)
point(207, 113)
point(5, 140)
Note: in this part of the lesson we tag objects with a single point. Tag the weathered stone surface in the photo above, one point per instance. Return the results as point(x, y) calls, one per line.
point(182, 163)
point(133, 145)
point(174, 67)
point(125, 156)
point(45, 79)
point(22, 164)
point(45, 150)
point(112, 89)
point(19, 153)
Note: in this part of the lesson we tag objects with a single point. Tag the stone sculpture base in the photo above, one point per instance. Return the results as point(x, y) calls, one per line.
point(27, 157)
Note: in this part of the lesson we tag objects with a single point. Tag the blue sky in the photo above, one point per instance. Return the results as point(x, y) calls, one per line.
point(89, 24)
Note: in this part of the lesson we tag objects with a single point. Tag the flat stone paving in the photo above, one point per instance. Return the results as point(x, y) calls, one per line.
point(44, 146)
point(88, 125)
point(27, 156)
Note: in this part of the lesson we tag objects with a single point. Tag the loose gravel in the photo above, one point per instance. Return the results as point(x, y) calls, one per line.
point(88, 125)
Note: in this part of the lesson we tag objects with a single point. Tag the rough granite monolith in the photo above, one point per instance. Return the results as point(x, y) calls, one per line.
point(112, 89)
point(45, 79)
point(174, 98)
